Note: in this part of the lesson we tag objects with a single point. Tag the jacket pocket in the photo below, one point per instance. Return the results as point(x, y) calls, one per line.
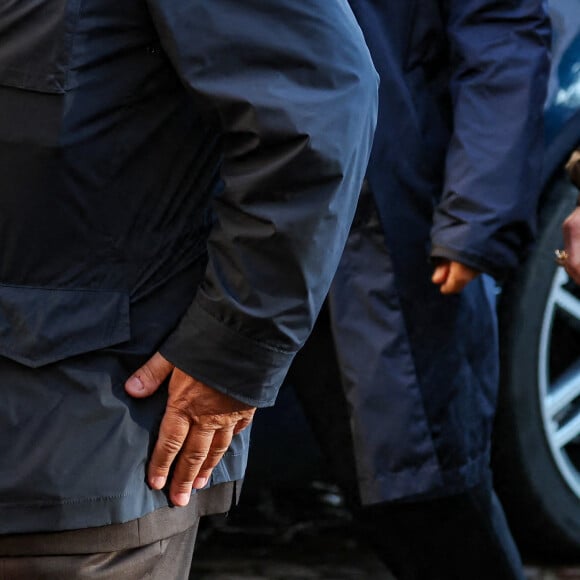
point(39, 326)
point(36, 43)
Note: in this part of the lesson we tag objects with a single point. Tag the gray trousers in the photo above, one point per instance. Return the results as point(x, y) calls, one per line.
point(158, 546)
point(167, 559)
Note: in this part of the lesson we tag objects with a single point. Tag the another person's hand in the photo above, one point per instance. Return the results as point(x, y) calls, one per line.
point(452, 277)
point(571, 231)
point(197, 427)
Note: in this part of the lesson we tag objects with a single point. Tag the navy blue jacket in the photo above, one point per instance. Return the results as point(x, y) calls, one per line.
point(454, 173)
point(177, 176)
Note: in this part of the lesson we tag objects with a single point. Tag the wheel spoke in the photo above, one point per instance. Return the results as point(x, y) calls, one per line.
point(564, 391)
point(568, 432)
point(566, 301)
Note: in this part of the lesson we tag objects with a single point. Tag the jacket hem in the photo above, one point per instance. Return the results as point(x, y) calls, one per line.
point(421, 484)
point(55, 520)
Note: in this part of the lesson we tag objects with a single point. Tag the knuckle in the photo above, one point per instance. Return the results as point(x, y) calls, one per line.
point(149, 374)
point(217, 451)
point(176, 418)
point(182, 485)
point(211, 423)
point(157, 470)
point(159, 466)
point(181, 404)
point(193, 458)
point(170, 445)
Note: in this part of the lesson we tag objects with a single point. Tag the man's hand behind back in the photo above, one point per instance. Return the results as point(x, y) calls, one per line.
point(452, 277)
point(196, 430)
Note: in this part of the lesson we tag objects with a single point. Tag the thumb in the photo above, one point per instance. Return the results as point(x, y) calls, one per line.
point(441, 273)
point(146, 380)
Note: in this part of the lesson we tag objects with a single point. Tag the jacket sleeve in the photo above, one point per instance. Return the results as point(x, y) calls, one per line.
point(295, 91)
point(500, 64)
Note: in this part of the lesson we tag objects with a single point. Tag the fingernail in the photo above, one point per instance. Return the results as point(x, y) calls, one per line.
point(157, 482)
point(200, 482)
point(182, 499)
point(134, 383)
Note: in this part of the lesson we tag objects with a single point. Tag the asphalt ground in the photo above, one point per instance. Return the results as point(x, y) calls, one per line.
point(270, 541)
point(312, 554)
point(274, 539)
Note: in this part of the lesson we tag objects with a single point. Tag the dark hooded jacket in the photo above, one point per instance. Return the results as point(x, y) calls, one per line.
point(176, 176)
point(454, 173)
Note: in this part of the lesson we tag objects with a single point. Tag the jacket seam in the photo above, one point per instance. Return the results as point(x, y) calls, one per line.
point(42, 503)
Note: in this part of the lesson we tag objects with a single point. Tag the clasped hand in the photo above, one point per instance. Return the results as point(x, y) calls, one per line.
point(452, 277)
point(196, 430)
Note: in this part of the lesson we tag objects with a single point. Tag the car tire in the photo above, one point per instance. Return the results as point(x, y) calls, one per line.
point(536, 449)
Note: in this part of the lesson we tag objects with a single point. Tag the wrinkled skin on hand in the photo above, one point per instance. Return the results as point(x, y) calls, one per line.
point(452, 277)
point(196, 430)
point(571, 231)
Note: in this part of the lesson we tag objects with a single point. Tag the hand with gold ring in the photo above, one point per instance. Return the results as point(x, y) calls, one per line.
point(569, 256)
point(561, 257)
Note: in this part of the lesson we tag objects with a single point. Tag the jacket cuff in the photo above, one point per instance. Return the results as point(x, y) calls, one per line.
point(234, 364)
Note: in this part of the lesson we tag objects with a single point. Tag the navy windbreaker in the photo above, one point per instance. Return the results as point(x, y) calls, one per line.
point(454, 173)
point(129, 133)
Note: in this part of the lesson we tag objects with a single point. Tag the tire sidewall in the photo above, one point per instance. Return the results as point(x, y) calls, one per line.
point(546, 512)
